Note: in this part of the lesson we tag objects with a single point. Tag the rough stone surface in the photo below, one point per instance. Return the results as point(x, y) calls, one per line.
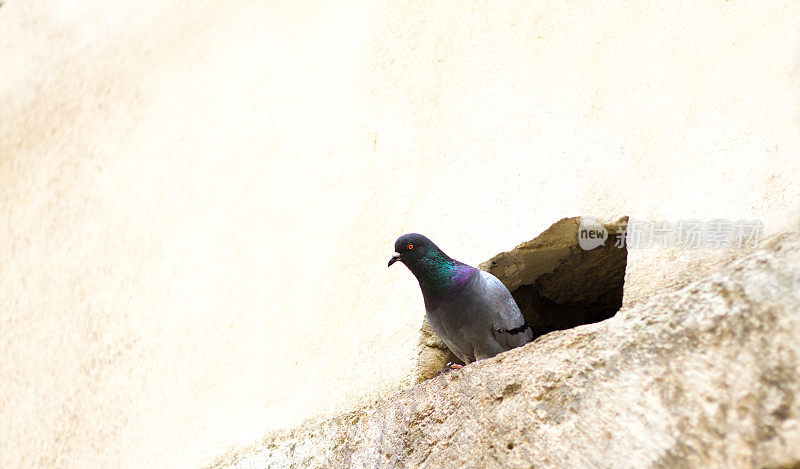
point(556, 284)
point(708, 375)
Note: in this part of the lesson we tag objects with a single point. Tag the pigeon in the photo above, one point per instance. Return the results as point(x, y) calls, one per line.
point(469, 309)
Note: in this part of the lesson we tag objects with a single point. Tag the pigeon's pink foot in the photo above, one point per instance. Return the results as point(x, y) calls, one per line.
point(450, 367)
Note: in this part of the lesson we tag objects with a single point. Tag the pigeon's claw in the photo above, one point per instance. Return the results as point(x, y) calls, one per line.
point(451, 366)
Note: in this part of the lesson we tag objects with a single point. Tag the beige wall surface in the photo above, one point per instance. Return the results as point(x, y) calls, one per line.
point(199, 198)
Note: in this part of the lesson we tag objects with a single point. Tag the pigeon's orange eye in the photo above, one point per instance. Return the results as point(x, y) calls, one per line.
point(410, 247)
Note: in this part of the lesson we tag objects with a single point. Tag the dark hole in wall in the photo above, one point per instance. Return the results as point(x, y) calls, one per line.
point(557, 284)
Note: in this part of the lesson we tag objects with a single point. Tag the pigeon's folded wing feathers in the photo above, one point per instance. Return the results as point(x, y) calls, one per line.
point(508, 324)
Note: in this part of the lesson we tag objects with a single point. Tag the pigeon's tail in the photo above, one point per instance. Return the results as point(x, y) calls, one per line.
point(518, 336)
point(519, 330)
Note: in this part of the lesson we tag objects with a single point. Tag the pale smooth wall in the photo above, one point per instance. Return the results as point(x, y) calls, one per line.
point(199, 198)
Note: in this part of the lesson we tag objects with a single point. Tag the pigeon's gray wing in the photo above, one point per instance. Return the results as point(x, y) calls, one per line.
point(508, 324)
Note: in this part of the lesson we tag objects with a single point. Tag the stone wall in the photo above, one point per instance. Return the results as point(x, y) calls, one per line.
point(198, 199)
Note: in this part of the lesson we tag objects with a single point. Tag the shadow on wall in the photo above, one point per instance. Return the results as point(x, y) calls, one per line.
point(556, 284)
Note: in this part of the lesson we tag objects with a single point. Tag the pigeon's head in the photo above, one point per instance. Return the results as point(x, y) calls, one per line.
point(411, 248)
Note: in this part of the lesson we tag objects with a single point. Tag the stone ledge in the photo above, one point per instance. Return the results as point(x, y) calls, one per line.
point(708, 375)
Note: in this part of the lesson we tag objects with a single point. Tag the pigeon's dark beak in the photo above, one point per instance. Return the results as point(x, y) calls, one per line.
point(395, 258)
